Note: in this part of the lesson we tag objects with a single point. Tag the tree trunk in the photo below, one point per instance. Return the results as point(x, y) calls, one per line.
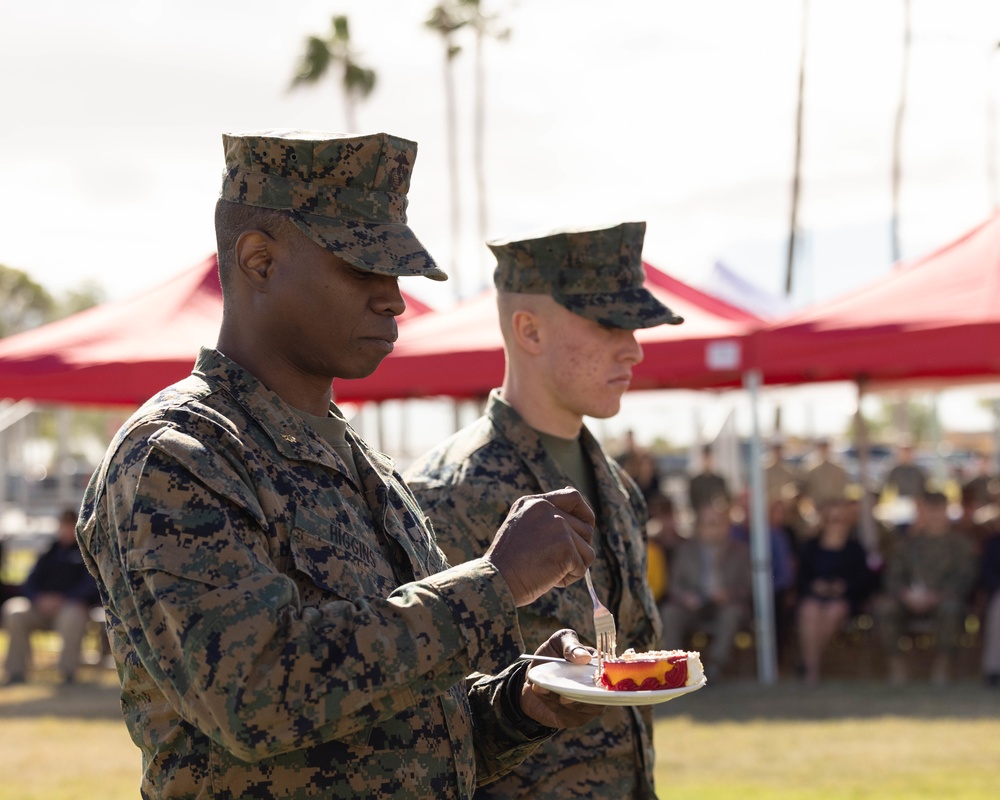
point(796, 174)
point(897, 138)
point(479, 154)
point(451, 142)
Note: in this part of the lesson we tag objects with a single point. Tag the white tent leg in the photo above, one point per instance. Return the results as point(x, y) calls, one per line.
point(760, 546)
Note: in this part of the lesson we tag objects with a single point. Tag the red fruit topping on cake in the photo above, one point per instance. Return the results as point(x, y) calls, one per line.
point(657, 669)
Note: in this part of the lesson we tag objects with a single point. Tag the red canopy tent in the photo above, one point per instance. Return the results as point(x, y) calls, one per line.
point(459, 352)
point(937, 317)
point(122, 352)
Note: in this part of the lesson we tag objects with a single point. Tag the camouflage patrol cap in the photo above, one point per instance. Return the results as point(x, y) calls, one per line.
point(597, 274)
point(345, 192)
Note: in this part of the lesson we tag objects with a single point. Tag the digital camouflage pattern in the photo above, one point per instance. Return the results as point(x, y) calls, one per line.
point(597, 274)
point(945, 564)
point(466, 485)
point(347, 193)
point(279, 631)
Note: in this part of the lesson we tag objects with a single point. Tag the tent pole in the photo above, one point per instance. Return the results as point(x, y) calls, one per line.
point(760, 545)
point(10, 414)
point(996, 436)
point(862, 444)
point(940, 464)
point(64, 479)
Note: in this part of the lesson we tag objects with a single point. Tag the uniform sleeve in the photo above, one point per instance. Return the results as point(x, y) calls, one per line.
point(225, 636)
point(503, 735)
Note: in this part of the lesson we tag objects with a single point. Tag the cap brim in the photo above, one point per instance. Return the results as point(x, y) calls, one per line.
point(630, 309)
point(381, 247)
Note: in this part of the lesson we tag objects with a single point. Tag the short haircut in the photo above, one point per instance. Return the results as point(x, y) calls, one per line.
point(509, 302)
point(234, 219)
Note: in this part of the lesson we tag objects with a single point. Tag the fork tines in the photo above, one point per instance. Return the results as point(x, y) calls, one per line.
point(604, 626)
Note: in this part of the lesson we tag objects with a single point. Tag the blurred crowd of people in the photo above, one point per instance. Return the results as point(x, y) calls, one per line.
point(833, 562)
point(836, 561)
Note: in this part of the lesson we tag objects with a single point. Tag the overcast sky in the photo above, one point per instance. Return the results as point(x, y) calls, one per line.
point(677, 113)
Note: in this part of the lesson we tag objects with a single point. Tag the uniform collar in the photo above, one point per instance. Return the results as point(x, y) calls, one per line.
point(292, 437)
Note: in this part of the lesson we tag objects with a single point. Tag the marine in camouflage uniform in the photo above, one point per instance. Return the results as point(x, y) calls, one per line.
point(468, 483)
point(283, 624)
point(929, 574)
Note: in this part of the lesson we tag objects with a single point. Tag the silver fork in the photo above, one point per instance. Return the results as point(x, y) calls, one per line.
point(604, 626)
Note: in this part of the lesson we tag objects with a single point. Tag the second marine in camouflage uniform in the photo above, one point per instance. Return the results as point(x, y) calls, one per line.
point(469, 482)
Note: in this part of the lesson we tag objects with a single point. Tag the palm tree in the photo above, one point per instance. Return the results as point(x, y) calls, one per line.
point(321, 54)
point(991, 131)
point(897, 138)
point(796, 175)
point(446, 19)
point(485, 26)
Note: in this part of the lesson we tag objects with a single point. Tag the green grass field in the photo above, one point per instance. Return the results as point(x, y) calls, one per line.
point(843, 740)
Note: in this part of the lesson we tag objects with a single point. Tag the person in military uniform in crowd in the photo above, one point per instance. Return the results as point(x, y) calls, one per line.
point(282, 621)
point(824, 480)
point(982, 485)
point(928, 575)
point(569, 303)
point(706, 485)
point(906, 478)
point(780, 479)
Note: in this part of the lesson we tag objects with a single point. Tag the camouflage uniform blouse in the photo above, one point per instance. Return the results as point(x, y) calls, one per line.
point(279, 631)
point(466, 485)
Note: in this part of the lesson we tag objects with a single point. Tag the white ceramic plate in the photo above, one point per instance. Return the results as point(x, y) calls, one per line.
point(576, 681)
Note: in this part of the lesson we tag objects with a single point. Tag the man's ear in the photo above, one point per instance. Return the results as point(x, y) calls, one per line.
point(255, 257)
point(526, 327)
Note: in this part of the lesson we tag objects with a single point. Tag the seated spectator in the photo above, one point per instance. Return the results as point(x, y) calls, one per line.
point(833, 581)
point(710, 586)
point(928, 576)
point(57, 595)
point(990, 582)
point(782, 565)
point(707, 485)
point(662, 538)
point(905, 479)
